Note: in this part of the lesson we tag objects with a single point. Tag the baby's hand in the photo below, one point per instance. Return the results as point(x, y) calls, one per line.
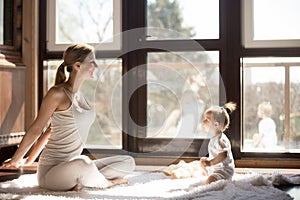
point(204, 162)
point(204, 172)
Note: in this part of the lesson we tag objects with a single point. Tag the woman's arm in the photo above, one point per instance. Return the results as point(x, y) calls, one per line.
point(38, 147)
point(48, 106)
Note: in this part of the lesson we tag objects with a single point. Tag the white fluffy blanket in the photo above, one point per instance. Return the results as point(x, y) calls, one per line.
point(155, 185)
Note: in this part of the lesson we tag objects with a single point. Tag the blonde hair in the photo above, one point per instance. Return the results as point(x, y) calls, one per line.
point(265, 108)
point(220, 114)
point(74, 53)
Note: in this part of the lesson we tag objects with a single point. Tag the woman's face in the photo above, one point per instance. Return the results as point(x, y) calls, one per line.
point(88, 66)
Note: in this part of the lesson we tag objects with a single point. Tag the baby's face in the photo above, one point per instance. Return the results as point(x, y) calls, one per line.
point(207, 122)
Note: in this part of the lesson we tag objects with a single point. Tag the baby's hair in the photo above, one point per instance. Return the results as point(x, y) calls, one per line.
point(220, 114)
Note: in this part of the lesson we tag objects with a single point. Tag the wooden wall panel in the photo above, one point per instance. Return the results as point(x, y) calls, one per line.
point(12, 92)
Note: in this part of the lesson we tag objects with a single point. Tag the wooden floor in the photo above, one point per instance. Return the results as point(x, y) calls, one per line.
point(294, 191)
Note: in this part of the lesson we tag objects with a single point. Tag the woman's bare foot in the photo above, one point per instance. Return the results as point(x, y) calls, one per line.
point(117, 181)
point(76, 188)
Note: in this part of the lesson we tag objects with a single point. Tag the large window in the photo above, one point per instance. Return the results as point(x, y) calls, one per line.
point(177, 58)
point(271, 104)
point(174, 77)
point(269, 63)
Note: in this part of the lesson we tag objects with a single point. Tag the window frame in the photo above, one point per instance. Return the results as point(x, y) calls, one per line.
point(287, 95)
point(11, 53)
point(231, 49)
point(146, 145)
point(248, 31)
point(264, 159)
point(107, 46)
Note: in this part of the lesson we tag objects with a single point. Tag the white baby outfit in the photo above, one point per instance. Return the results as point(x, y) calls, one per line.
point(224, 169)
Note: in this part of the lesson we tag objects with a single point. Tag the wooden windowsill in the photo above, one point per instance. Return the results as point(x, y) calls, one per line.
point(145, 160)
point(268, 163)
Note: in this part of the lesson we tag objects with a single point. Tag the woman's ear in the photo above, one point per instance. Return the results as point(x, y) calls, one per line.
point(76, 65)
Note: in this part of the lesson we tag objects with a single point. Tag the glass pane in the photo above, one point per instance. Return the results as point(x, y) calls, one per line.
point(268, 123)
point(295, 107)
point(106, 131)
point(176, 16)
point(89, 21)
point(1, 21)
point(181, 85)
point(276, 19)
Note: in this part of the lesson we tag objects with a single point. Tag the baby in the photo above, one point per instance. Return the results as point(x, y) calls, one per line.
point(220, 163)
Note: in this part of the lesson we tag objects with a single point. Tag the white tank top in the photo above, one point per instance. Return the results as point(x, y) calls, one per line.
point(69, 131)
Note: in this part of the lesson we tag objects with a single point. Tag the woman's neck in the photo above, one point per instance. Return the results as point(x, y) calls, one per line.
point(74, 85)
point(74, 82)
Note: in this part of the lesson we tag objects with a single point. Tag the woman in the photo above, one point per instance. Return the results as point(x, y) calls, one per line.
point(61, 167)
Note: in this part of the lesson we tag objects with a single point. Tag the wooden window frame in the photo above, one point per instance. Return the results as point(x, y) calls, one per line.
point(110, 46)
point(248, 31)
point(11, 53)
point(231, 50)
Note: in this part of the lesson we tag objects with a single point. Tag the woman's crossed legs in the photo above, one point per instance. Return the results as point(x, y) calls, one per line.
point(83, 172)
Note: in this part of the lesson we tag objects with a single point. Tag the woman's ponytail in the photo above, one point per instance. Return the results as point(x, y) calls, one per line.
point(60, 74)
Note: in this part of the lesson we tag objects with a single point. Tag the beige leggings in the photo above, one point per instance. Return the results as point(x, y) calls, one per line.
point(83, 171)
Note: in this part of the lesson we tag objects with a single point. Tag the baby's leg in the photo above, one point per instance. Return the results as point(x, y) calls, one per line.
point(211, 179)
point(80, 171)
point(115, 166)
point(220, 174)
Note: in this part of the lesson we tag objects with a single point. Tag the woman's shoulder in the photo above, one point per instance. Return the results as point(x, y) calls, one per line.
point(57, 91)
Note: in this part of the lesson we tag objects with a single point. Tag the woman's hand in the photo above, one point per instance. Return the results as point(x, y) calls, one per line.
point(11, 164)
